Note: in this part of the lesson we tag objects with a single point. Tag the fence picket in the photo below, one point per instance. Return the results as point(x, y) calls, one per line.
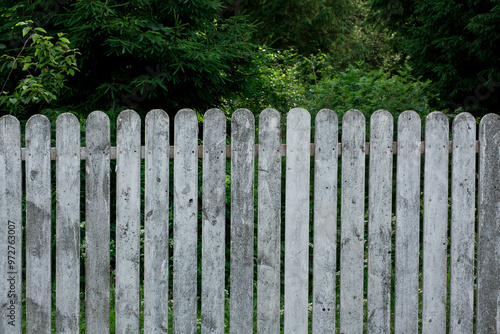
point(352, 222)
point(435, 223)
point(488, 238)
point(462, 224)
point(407, 223)
point(185, 220)
point(156, 214)
point(97, 225)
point(325, 221)
point(213, 222)
point(68, 224)
point(297, 220)
point(38, 226)
point(380, 223)
point(10, 226)
point(269, 225)
point(242, 221)
point(128, 221)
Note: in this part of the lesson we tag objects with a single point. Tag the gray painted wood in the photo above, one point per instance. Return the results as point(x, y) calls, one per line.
point(435, 224)
point(269, 229)
point(38, 226)
point(10, 226)
point(242, 221)
point(68, 224)
point(185, 221)
point(462, 224)
point(97, 210)
point(352, 222)
point(156, 215)
point(380, 223)
point(298, 135)
point(325, 221)
point(488, 239)
point(213, 222)
point(407, 223)
point(128, 221)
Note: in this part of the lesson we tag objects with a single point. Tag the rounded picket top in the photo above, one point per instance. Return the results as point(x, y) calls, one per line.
point(9, 119)
point(381, 114)
point(67, 120)
point(269, 118)
point(98, 117)
point(409, 119)
point(490, 123)
point(353, 114)
point(214, 113)
point(243, 115)
point(37, 120)
point(325, 115)
point(127, 116)
point(158, 116)
point(464, 117)
point(437, 116)
point(186, 115)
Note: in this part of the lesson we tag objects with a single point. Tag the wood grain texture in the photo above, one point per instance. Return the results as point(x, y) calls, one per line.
point(325, 222)
point(156, 215)
point(298, 135)
point(435, 224)
point(213, 222)
point(488, 238)
point(11, 240)
point(269, 225)
point(380, 223)
point(38, 226)
point(128, 221)
point(407, 223)
point(463, 189)
point(352, 222)
point(97, 227)
point(67, 224)
point(242, 221)
point(185, 221)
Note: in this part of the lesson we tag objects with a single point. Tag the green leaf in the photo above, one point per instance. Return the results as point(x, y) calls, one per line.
point(41, 30)
point(26, 66)
point(13, 100)
point(26, 30)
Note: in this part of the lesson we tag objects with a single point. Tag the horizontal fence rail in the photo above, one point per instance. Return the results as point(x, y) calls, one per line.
point(332, 234)
point(227, 148)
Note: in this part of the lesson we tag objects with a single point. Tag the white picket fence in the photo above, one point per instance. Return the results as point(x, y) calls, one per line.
point(450, 266)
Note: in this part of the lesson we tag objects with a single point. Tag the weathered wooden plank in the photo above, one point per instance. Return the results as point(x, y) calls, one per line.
point(352, 222)
point(185, 221)
point(435, 224)
point(380, 223)
point(242, 221)
point(488, 239)
point(298, 135)
point(10, 226)
point(128, 221)
point(214, 221)
point(38, 225)
point(407, 223)
point(68, 224)
point(156, 213)
point(463, 189)
point(269, 229)
point(97, 210)
point(325, 221)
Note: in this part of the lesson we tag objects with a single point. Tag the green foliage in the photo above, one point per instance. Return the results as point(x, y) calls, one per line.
point(288, 80)
point(453, 43)
point(145, 54)
point(38, 72)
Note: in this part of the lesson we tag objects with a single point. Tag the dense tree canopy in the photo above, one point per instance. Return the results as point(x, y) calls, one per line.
point(454, 43)
point(138, 54)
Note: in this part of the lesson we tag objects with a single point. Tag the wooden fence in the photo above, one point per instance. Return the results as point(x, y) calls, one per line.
point(441, 274)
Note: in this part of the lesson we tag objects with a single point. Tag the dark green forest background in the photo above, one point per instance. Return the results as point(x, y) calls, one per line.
point(84, 55)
